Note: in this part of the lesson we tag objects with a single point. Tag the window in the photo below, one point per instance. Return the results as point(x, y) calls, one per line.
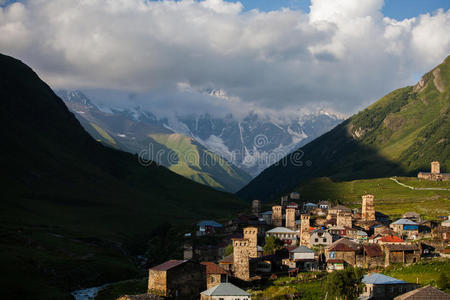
point(316, 240)
point(324, 240)
point(332, 255)
point(212, 279)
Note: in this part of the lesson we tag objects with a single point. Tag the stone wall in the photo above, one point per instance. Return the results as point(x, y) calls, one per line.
point(186, 281)
point(290, 218)
point(344, 219)
point(368, 209)
point(277, 216)
point(241, 259)
point(251, 234)
point(157, 283)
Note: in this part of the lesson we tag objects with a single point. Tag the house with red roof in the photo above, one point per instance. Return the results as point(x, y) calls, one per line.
point(214, 274)
point(390, 239)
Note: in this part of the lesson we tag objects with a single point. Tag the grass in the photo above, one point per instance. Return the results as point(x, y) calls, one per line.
point(390, 197)
point(304, 286)
point(423, 272)
point(128, 287)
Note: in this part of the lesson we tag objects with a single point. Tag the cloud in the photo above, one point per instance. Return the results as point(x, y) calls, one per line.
point(342, 55)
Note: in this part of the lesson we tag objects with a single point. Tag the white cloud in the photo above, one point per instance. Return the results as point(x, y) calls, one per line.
point(342, 55)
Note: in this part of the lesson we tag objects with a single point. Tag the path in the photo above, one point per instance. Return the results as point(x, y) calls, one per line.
point(418, 189)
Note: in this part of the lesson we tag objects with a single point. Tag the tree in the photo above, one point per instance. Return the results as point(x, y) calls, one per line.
point(272, 244)
point(346, 284)
point(229, 249)
point(443, 282)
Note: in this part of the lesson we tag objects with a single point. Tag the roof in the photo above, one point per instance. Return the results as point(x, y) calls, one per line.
point(281, 230)
point(209, 223)
point(168, 265)
point(341, 207)
point(269, 212)
point(362, 233)
point(426, 292)
point(229, 259)
point(373, 250)
point(310, 204)
point(404, 222)
point(377, 278)
point(391, 239)
point(212, 268)
point(343, 244)
point(411, 214)
point(323, 203)
point(401, 247)
point(446, 221)
point(302, 249)
point(335, 261)
point(225, 289)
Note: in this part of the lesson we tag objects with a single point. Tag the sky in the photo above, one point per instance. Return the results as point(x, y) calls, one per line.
point(281, 58)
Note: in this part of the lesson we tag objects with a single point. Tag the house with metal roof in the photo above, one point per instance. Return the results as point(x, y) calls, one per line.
point(302, 258)
point(405, 227)
point(290, 237)
point(381, 287)
point(225, 291)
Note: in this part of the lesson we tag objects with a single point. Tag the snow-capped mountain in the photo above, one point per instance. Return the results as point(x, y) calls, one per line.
point(252, 143)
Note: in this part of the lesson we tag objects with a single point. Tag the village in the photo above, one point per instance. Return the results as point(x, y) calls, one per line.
point(225, 261)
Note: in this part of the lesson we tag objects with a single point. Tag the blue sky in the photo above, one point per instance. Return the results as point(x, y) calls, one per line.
point(397, 9)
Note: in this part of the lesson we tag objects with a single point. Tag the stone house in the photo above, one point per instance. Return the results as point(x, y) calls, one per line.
point(344, 250)
point(225, 291)
point(323, 205)
point(288, 236)
point(320, 237)
point(442, 232)
point(333, 211)
point(373, 256)
point(227, 263)
point(183, 279)
point(303, 258)
point(446, 223)
point(214, 274)
point(381, 287)
point(406, 227)
point(401, 253)
point(435, 173)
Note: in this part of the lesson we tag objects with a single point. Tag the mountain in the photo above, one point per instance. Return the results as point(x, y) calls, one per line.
point(400, 134)
point(73, 210)
point(250, 144)
point(140, 132)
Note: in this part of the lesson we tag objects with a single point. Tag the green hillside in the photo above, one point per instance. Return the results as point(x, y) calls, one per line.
point(400, 134)
point(390, 198)
point(74, 212)
point(193, 161)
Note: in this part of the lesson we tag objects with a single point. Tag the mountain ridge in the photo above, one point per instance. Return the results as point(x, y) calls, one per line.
point(400, 134)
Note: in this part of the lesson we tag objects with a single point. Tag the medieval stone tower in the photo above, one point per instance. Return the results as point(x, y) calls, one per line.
point(435, 167)
point(251, 234)
point(344, 219)
point(290, 218)
point(256, 207)
point(241, 259)
point(304, 230)
point(368, 210)
point(277, 215)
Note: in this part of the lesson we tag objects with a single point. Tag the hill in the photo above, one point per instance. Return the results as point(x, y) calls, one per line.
point(400, 134)
point(390, 198)
point(139, 132)
point(73, 210)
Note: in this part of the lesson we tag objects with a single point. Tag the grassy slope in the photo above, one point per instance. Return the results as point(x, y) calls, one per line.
point(73, 209)
point(398, 135)
point(200, 165)
point(390, 198)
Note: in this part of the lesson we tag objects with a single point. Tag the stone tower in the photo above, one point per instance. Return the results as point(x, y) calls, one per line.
point(256, 207)
point(290, 218)
point(304, 230)
point(277, 215)
point(344, 219)
point(368, 210)
point(251, 234)
point(435, 167)
point(241, 259)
